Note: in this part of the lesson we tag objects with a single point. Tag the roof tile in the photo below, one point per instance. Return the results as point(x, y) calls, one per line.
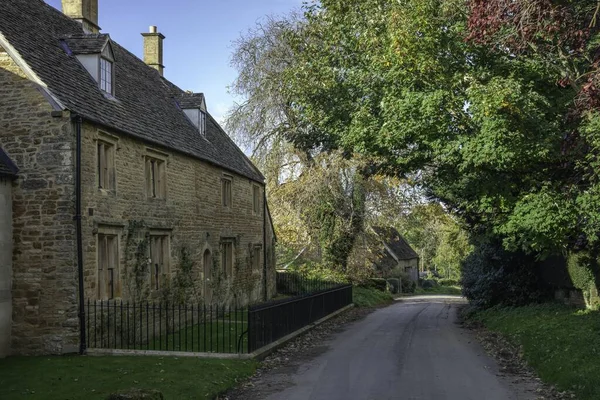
point(145, 104)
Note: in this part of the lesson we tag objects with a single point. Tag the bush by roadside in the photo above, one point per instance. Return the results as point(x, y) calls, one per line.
point(370, 297)
point(441, 290)
point(494, 276)
point(558, 342)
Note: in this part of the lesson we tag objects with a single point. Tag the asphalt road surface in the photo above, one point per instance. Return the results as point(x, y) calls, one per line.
point(410, 350)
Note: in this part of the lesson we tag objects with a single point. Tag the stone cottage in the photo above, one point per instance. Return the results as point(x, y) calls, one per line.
point(394, 253)
point(126, 183)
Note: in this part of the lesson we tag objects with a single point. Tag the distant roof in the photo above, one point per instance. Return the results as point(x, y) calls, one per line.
point(396, 243)
point(145, 105)
point(7, 167)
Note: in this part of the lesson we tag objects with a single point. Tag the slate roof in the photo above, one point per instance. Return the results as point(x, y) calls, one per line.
point(396, 243)
point(144, 105)
point(7, 167)
point(191, 100)
point(86, 43)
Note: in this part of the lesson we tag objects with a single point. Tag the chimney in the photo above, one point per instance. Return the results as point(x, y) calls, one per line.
point(83, 11)
point(153, 49)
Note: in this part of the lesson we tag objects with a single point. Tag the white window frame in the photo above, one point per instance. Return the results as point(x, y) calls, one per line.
point(107, 76)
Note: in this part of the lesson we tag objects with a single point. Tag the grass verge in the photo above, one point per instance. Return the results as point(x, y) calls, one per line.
point(560, 343)
point(369, 297)
point(90, 378)
point(450, 290)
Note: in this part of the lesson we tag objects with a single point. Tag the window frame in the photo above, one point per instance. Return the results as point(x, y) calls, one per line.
point(202, 122)
point(155, 176)
point(106, 82)
point(108, 284)
point(257, 255)
point(227, 260)
point(163, 268)
point(256, 199)
point(106, 172)
point(227, 191)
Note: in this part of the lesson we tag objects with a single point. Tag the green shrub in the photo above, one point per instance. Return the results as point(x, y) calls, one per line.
point(369, 297)
point(428, 283)
point(583, 270)
point(408, 285)
point(394, 285)
point(447, 282)
point(377, 283)
point(493, 276)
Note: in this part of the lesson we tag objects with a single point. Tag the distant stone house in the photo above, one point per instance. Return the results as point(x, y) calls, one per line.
point(125, 181)
point(395, 253)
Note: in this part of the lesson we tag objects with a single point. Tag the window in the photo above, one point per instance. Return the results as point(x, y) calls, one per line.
point(108, 266)
point(106, 75)
point(106, 165)
point(202, 123)
point(227, 258)
point(256, 258)
point(159, 260)
point(256, 199)
point(156, 178)
point(226, 191)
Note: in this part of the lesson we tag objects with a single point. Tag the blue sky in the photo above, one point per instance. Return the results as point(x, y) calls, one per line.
point(199, 35)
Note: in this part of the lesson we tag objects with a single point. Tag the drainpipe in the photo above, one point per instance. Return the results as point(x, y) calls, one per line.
point(265, 291)
point(82, 340)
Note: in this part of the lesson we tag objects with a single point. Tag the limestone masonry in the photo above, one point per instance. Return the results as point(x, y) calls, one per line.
point(171, 209)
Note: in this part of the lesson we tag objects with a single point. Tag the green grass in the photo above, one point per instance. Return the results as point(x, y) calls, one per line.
point(369, 297)
point(450, 290)
point(199, 338)
point(90, 378)
point(560, 343)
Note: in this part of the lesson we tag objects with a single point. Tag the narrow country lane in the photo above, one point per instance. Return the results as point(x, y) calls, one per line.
point(410, 350)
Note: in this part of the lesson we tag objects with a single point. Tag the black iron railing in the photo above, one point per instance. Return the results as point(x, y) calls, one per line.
point(271, 321)
point(126, 325)
point(294, 284)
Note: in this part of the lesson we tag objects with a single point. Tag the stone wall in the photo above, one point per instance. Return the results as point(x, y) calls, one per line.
point(5, 265)
point(411, 267)
point(44, 286)
point(191, 214)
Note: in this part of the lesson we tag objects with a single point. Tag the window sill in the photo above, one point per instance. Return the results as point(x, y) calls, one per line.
point(156, 199)
point(107, 192)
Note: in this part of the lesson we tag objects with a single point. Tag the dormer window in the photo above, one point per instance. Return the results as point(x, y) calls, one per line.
point(95, 53)
point(106, 75)
point(194, 107)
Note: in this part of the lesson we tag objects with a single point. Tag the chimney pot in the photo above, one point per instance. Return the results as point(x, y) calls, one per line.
point(153, 29)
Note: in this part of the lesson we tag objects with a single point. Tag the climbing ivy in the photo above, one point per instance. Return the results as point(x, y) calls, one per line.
point(136, 266)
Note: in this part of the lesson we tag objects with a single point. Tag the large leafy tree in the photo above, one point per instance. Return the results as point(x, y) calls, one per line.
point(482, 99)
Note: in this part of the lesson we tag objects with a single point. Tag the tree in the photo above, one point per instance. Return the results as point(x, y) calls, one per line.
point(490, 126)
point(322, 191)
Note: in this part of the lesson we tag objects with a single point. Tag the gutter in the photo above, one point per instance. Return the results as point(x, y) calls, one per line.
point(82, 334)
